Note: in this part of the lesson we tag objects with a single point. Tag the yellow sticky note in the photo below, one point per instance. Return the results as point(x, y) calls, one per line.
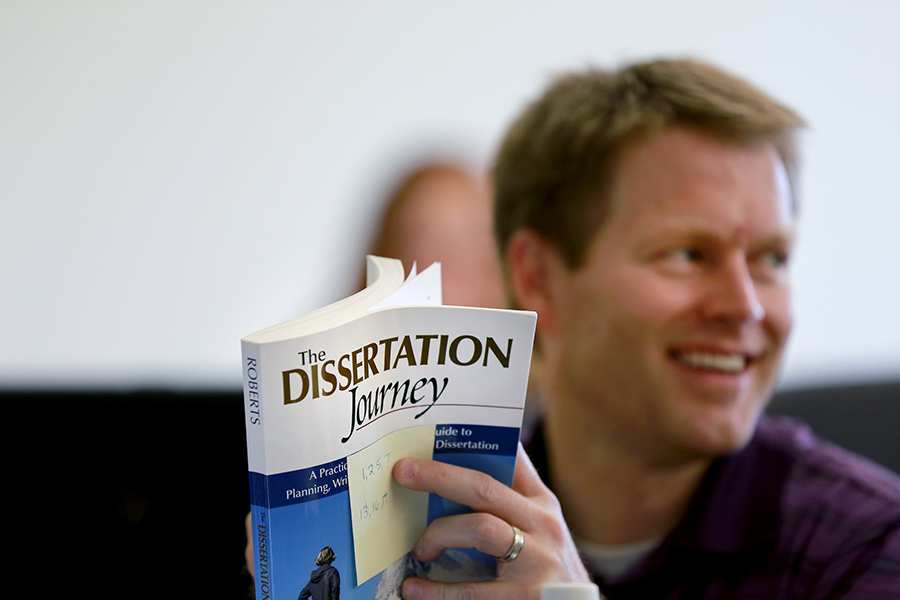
point(387, 518)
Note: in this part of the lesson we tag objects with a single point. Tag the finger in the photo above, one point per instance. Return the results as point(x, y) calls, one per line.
point(248, 549)
point(477, 490)
point(484, 532)
point(415, 588)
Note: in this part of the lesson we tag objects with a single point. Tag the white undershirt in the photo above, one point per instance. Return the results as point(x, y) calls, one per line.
point(611, 561)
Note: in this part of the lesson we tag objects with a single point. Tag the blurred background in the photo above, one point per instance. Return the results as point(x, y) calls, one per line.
point(175, 175)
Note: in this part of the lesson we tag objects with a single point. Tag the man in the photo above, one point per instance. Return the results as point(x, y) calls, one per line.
point(647, 215)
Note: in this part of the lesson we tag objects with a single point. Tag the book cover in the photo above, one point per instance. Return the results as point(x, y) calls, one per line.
point(334, 398)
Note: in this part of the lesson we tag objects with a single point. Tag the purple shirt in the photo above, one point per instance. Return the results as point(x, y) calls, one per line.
point(789, 516)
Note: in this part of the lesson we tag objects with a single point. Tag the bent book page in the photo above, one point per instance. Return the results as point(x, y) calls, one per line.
point(330, 412)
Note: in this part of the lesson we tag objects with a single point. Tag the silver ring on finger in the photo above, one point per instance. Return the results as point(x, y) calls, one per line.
point(515, 548)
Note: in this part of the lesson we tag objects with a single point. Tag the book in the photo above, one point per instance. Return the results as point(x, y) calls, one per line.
point(335, 397)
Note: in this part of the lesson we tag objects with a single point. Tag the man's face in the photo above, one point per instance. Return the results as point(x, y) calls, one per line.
point(672, 331)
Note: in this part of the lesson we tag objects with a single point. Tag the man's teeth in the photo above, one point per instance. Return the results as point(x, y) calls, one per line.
point(729, 363)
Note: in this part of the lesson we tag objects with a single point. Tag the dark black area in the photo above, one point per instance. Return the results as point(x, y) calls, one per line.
point(130, 495)
point(864, 418)
point(143, 494)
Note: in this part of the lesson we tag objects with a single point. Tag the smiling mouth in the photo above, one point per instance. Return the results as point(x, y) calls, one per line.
point(713, 361)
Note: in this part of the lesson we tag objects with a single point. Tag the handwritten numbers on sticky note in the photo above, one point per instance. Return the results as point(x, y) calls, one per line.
point(387, 518)
point(375, 469)
point(369, 510)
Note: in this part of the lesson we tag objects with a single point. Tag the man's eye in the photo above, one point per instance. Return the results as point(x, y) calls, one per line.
point(687, 254)
point(774, 259)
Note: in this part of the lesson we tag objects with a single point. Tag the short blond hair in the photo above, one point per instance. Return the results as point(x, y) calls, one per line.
point(557, 160)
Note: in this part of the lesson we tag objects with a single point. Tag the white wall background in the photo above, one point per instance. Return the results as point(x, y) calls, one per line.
point(175, 175)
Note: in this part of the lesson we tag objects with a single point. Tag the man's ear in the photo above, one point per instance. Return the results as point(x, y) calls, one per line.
point(533, 263)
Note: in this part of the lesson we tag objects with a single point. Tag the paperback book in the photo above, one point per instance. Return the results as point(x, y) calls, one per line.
point(335, 397)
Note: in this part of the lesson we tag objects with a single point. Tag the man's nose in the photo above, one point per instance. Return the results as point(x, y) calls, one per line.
point(733, 295)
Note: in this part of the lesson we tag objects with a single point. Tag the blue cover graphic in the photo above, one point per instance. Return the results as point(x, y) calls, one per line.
point(316, 503)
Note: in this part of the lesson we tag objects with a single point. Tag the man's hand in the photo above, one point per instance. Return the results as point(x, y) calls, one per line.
point(248, 549)
point(549, 554)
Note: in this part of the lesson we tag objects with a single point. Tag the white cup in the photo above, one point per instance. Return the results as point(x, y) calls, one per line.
point(570, 591)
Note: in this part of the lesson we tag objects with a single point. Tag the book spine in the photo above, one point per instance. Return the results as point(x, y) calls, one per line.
point(254, 407)
point(262, 555)
point(256, 458)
